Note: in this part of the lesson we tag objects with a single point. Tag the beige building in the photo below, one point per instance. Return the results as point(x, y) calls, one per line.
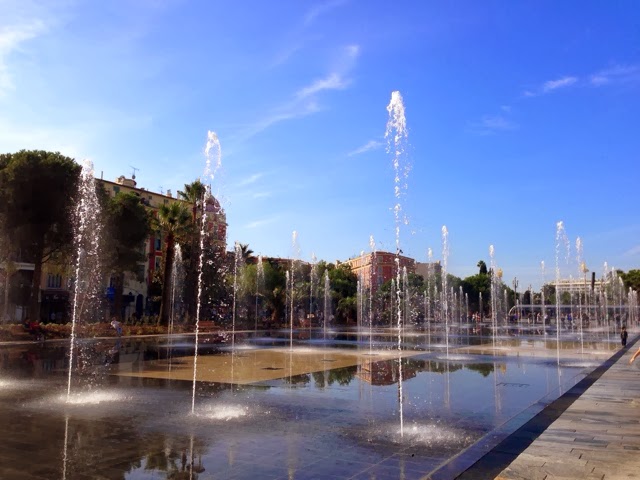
point(375, 268)
point(57, 274)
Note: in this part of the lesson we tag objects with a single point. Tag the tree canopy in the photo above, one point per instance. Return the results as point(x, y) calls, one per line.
point(38, 190)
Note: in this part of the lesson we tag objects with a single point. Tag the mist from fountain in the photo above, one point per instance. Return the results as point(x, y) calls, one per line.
point(259, 287)
point(445, 302)
point(396, 134)
point(326, 314)
point(372, 277)
point(313, 290)
point(87, 230)
point(213, 155)
point(494, 294)
point(561, 241)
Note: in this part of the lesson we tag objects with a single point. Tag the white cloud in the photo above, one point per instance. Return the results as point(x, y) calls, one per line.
point(618, 73)
point(490, 124)
point(249, 180)
point(551, 86)
point(367, 147)
point(260, 223)
point(288, 112)
point(563, 82)
point(321, 9)
point(632, 252)
point(261, 195)
point(12, 38)
point(304, 100)
point(332, 82)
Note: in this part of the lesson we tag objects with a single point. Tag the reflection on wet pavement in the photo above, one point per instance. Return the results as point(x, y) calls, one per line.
point(321, 410)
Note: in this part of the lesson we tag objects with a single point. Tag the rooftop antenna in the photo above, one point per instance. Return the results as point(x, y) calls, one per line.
point(133, 175)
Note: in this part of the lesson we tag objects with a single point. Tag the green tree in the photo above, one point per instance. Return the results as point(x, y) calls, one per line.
point(247, 253)
point(344, 289)
point(477, 285)
point(175, 223)
point(275, 291)
point(38, 190)
point(483, 267)
point(194, 193)
point(127, 226)
point(631, 279)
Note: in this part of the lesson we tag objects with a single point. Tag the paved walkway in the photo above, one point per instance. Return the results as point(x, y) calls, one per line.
point(591, 432)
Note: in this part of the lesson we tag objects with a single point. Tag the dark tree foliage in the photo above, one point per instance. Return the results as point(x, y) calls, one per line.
point(127, 224)
point(175, 223)
point(477, 285)
point(38, 190)
point(193, 193)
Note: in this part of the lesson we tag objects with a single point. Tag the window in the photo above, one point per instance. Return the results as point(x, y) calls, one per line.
point(54, 281)
point(158, 244)
point(116, 189)
point(158, 262)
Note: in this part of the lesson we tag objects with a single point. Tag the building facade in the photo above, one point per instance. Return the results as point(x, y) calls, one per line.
point(375, 268)
point(56, 281)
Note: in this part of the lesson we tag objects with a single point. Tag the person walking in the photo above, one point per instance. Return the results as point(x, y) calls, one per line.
point(623, 336)
point(117, 326)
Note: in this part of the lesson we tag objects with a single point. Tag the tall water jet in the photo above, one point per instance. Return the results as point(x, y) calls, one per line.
point(396, 135)
point(561, 241)
point(237, 268)
point(326, 314)
point(445, 302)
point(176, 278)
point(543, 313)
point(313, 288)
point(494, 294)
point(86, 242)
point(581, 268)
point(372, 279)
point(213, 155)
point(259, 286)
point(292, 285)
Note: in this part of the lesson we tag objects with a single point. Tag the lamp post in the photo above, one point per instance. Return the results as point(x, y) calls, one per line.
point(515, 295)
point(584, 270)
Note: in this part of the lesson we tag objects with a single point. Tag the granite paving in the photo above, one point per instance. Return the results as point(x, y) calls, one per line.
point(591, 432)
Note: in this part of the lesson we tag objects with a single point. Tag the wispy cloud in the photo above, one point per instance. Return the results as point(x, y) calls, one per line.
point(633, 252)
point(551, 86)
point(249, 180)
point(618, 73)
point(367, 147)
point(336, 80)
point(332, 82)
point(12, 38)
point(563, 82)
point(260, 223)
point(490, 124)
point(261, 194)
point(305, 100)
point(320, 9)
point(289, 111)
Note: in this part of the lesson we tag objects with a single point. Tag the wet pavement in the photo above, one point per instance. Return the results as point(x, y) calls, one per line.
point(349, 407)
point(591, 432)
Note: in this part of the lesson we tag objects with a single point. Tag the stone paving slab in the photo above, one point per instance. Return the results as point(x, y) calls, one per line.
point(595, 435)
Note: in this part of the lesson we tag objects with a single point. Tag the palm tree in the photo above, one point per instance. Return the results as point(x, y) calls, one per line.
point(194, 193)
point(247, 253)
point(174, 221)
point(483, 267)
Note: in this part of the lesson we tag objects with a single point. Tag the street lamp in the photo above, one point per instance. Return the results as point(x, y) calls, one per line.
point(585, 270)
point(515, 295)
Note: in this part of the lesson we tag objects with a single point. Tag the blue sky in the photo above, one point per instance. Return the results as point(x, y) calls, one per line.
point(520, 114)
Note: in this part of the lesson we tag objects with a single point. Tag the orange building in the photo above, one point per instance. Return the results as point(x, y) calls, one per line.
point(375, 268)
